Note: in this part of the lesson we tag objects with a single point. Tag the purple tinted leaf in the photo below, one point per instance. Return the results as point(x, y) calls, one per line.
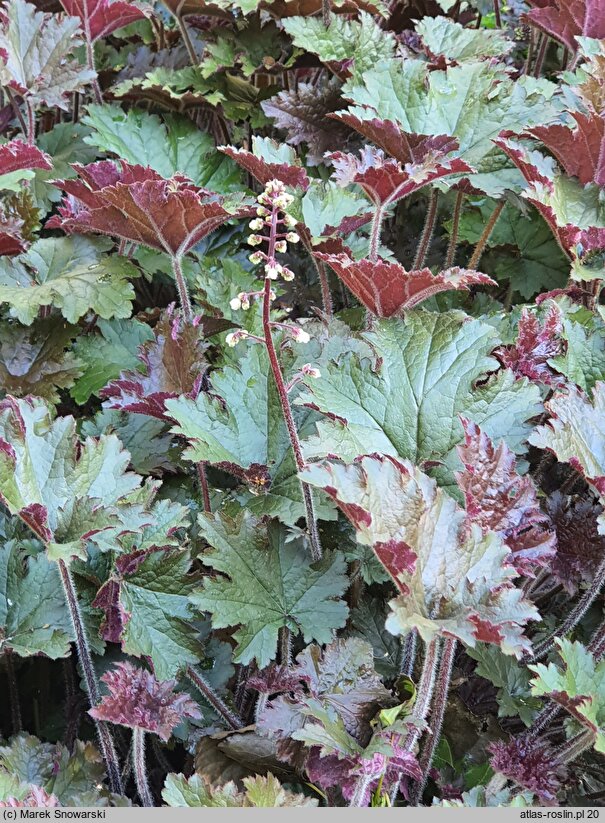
point(500, 500)
point(136, 699)
point(536, 344)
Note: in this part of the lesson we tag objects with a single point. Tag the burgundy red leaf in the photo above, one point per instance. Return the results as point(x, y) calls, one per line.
point(263, 171)
point(386, 288)
point(11, 239)
point(580, 547)
point(567, 19)
point(405, 147)
point(385, 181)
point(137, 700)
point(531, 764)
point(581, 150)
point(102, 17)
point(135, 203)
point(575, 241)
point(18, 155)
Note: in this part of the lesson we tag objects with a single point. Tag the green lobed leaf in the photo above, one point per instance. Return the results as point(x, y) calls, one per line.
point(155, 598)
point(441, 35)
point(240, 428)
point(453, 579)
point(37, 60)
point(258, 792)
point(579, 687)
point(271, 584)
point(72, 273)
point(33, 615)
point(66, 490)
point(169, 145)
point(53, 767)
point(362, 40)
point(105, 355)
point(407, 402)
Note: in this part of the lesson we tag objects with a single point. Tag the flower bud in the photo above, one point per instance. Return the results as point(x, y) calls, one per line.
point(256, 224)
point(255, 240)
point(292, 237)
point(311, 371)
point(281, 246)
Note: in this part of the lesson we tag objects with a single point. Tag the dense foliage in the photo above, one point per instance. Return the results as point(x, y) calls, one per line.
point(302, 402)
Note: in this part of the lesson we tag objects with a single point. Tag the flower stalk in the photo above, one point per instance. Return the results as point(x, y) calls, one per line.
point(273, 203)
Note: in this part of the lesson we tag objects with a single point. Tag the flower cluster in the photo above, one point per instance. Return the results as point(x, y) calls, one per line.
point(244, 299)
point(271, 213)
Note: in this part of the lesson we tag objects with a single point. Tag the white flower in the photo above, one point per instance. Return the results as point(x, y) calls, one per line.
point(281, 246)
point(287, 274)
point(282, 201)
point(289, 221)
point(292, 237)
point(235, 337)
point(236, 305)
point(299, 335)
point(311, 371)
point(273, 270)
point(256, 224)
point(262, 211)
point(255, 240)
point(256, 257)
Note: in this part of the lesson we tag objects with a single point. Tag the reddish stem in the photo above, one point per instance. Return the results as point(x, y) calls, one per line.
point(201, 474)
point(90, 678)
point(427, 231)
point(451, 248)
point(541, 55)
point(485, 236)
point(375, 233)
point(182, 289)
point(284, 400)
point(437, 714)
point(217, 702)
point(497, 14)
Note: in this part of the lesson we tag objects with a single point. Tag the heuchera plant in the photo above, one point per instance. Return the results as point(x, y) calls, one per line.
point(302, 403)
